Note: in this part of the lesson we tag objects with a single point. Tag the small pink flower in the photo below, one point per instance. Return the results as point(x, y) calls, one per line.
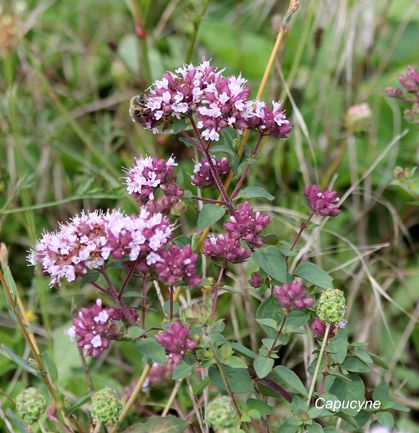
point(247, 225)
point(225, 248)
point(176, 340)
point(323, 203)
point(94, 327)
point(177, 264)
point(202, 173)
point(293, 295)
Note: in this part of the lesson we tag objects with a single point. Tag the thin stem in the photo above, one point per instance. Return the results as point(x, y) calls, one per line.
point(278, 335)
point(213, 170)
point(325, 371)
point(223, 375)
point(127, 279)
point(97, 427)
point(246, 170)
point(319, 360)
point(209, 200)
point(302, 228)
point(171, 302)
point(196, 25)
point(144, 304)
point(86, 371)
point(217, 286)
point(100, 288)
point(171, 398)
point(132, 398)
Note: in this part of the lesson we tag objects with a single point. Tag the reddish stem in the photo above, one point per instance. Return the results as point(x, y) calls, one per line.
point(209, 200)
point(278, 335)
point(302, 228)
point(217, 286)
point(127, 278)
point(325, 371)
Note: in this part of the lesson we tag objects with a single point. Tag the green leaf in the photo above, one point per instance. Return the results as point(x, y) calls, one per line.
point(260, 406)
point(315, 428)
point(354, 364)
point(314, 275)
point(76, 404)
point(379, 361)
point(254, 192)
point(235, 362)
point(135, 332)
point(290, 381)
point(270, 309)
point(243, 350)
point(22, 363)
point(291, 425)
point(182, 370)
point(272, 261)
point(363, 355)
point(50, 367)
point(178, 126)
point(209, 215)
point(339, 347)
point(169, 424)
point(349, 391)
point(381, 393)
point(270, 323)
point(263, 366)
point(152, 351)
point(238, 379)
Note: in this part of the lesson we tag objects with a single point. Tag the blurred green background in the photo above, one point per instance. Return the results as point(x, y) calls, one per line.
point(68, 71)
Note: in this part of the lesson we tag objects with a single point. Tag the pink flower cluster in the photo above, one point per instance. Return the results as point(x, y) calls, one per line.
point(94, 327)
point(247, 225)
point(178, 264)
point(202, 173)
point(176, 340)
point(88, 240)
point(256, 280)
point(225, 248)
point(323, 203)
point(293, 295)
point(410, 82)
point(319, 328)
point(244, 225)
point(218, 101)
point(150, 174)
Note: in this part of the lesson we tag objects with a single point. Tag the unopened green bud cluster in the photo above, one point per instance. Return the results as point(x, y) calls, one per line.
point(332, 306)
point(221, 415)
point(30, 405)
point(106, 406)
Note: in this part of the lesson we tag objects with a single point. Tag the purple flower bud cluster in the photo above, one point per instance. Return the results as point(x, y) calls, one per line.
point(268, 122)
point(246, 225)
point(319, 328)
point(293, 295)
point(150, 174)
point(322, 203)
point(88, 240)
point(177, 264)
point(94, 327)
point(218, 102)
point(256, 280)
point(225, 248)
point(202, 173)
point(176, 340)
point(410, 83)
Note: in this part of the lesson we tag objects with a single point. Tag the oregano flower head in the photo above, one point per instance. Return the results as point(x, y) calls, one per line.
point(106, 406)
point(88, 240)
point(323, 203)
point(30, 405)
point(332, 306)
point(221, 413)
point(225, 248)
point(176, 339)
point(94, 327)
point(293, 295)
point(202, 174)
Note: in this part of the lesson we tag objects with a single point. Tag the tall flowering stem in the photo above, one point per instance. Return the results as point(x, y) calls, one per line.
point(319, 360)
point(216, 288)
point(144, 303)
point(303, 226)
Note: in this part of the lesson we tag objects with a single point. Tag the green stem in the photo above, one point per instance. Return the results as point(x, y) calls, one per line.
point(319, 360)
